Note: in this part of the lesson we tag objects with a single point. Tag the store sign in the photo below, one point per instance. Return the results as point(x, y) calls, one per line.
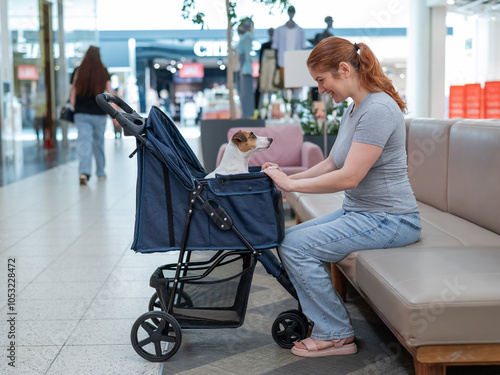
point(192, 70)
point(27, 72)
point(32, 50)
point(210, 48)
point(205, 48)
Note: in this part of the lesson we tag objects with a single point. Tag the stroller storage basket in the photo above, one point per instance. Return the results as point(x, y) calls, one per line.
point(167, 170)
point(209, 294)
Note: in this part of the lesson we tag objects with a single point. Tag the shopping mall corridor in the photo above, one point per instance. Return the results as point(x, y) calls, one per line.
point(78, 287)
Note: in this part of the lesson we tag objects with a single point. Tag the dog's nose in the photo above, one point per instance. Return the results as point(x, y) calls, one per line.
point(270, 140)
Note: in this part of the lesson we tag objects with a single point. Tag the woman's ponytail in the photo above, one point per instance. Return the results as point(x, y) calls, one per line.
point(373, 78)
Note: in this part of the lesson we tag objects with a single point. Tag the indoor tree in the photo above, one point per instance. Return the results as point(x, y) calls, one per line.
point(190, 12)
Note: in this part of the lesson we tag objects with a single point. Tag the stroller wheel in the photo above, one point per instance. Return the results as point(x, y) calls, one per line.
point(288, 328)
point(156, 336)
point(297, 312)
point(182, 300)
point(155, 305)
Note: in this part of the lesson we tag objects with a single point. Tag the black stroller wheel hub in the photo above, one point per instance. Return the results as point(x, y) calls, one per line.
point(156, 336)
point(288, 328)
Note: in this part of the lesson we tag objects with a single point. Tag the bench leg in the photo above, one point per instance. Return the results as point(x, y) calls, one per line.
point(433, 359)
point(339, 281)
point(428, 369)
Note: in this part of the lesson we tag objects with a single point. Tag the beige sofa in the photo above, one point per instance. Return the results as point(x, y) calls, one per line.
point(440, 296)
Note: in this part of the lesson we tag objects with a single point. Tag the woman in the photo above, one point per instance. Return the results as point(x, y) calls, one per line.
point(368, 163)
point(88, 80)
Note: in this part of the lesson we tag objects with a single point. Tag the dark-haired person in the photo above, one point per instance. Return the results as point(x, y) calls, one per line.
point(368, 163)
point(89, 79)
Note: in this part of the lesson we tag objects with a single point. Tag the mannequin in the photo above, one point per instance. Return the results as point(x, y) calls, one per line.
point(328, 32)
point(325, 34)
point(267, 67)
point(289, 37)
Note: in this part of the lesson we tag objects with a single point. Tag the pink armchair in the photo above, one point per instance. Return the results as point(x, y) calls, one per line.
point(288, 149)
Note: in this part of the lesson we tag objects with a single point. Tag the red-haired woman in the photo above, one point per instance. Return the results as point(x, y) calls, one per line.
point(368, 163)
point(88, 80)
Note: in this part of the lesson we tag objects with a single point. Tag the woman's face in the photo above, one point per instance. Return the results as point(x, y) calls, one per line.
point(327, 83)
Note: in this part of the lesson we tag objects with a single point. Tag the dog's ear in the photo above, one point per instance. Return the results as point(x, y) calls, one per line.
point(239, 136)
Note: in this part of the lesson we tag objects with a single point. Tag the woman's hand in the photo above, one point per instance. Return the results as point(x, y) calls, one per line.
point(278, 176)
point(269, 165)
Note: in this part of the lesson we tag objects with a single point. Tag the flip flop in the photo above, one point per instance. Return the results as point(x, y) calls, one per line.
point(339, 347)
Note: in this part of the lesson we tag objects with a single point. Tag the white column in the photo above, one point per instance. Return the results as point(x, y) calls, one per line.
point(7, 129)
point(494, 52)
point(426, 59)
point(438, 33)
point(418, 75)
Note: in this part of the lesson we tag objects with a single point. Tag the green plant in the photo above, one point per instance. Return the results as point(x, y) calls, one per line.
point(310, 124)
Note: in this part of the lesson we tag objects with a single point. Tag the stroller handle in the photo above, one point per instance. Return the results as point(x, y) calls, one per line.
point(131, 122)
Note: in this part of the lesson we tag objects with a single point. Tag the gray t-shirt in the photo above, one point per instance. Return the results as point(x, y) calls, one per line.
point(385, 188)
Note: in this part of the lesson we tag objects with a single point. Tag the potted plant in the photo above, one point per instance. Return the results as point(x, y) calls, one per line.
point(320, 121)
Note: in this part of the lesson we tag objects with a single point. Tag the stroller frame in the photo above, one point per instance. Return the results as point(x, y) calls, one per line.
point(156, 335)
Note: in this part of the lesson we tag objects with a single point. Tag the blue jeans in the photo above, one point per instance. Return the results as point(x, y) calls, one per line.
point(331, 238)
point(90, 142)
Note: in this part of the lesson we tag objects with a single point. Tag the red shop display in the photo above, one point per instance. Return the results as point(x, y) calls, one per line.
point(457, 102)
point(492, 99)
point(473, 100)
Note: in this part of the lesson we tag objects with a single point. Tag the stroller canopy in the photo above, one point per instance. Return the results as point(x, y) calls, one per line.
point(166, 142)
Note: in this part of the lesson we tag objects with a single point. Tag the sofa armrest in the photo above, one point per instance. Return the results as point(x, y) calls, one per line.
point(311, 154)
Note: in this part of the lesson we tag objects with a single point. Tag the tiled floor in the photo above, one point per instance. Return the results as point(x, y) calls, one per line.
point(78, 287)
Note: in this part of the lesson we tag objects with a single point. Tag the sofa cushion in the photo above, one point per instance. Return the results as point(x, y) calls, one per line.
point(439, 229)
point(442, 229)
point(285, 149)
point(474, 174)
point(435, 295)
point(309, 206)
point(427, 149)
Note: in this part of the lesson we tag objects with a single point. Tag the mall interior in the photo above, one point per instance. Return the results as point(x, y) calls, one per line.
point(72, 289)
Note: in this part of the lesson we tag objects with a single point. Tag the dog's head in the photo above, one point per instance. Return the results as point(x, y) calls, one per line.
point(248, 142)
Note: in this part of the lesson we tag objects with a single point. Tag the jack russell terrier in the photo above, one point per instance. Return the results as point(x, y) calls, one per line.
point(238, 151)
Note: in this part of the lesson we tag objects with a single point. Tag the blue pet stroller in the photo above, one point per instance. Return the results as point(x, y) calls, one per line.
point(178, 210)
